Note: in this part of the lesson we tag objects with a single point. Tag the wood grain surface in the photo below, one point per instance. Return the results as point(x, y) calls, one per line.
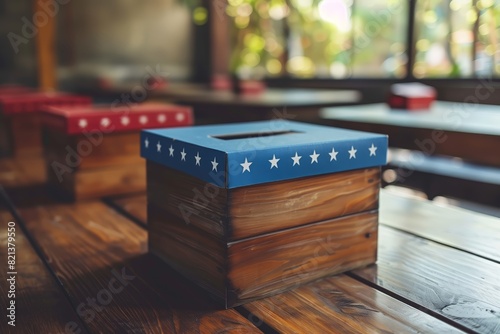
point(134, 206)
point(89, 245)
point(22, 172)
point(81, 167)
point(41, 306)
point(260, 209)
point(423, 281)
point(278, 261)
point(26, 134)
point(94, 150)
point(260, 266)
point(459, 228)
point(341, 305)
point(244, 212)
point(455, 286)
point(187, 199)
point(97, 183)
point(199, 256)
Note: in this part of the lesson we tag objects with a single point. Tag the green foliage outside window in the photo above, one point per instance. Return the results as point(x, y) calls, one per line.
point(318, 38)
point(457, 38)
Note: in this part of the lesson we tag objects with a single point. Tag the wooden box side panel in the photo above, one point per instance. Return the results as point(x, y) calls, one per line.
point(60, 181)
point(111, 149)
point(26, 135)
point(198, 256)
point(188, 199)
point(54, 144)
point(93, 150)
point(5, 136)
point(261, 209)
point(100, 182)
point(270, 264)
point(69, 184)
point(60, 174)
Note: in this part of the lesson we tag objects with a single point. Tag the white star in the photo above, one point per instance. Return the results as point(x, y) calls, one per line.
point(198, 158)
point(373, 150)
point(274, 162)
point(105, 122)
point(333, 154)
point(296, 159)
point(183, 155)
point(82, 123)
point(162, 118)
point(171, 149)
point(246, 166)
point(180, 117)
point(214, 164)
point(143, 119)
point(314, 157)
point(158, 147)
point(352, 152)
point(125, 120)
point(146, 143)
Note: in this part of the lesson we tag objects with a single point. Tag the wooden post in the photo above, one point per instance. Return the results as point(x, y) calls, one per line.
point(45, 42)
point(219, 34)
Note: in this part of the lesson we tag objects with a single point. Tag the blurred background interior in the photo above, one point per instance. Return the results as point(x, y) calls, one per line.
point(362, 44)
point(356, 49)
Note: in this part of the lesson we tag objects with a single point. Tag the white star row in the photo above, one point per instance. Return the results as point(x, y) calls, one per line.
point(125, 120)
point(274, 161)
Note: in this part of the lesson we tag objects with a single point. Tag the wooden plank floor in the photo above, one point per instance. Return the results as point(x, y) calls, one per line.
point(404, 256)
point(41, 306)
point(99, 254)
point(87, 263)
point(396, 316)
point(441, 280)
point(133, 206)
point(343, 305)
point(446, 225)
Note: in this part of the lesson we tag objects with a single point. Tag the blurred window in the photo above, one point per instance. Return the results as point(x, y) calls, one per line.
point(342, 39)
point(319, 38)
point(457, 39)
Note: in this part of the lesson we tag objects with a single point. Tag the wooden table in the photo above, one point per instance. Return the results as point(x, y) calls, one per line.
point(213, 106)
point(468, 131)
point(84, 268)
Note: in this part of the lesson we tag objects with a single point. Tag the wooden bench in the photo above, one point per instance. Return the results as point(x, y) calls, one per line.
point(443, 176)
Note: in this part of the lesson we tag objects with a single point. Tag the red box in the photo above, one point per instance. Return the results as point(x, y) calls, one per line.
point(411, 96)
point(20, 118)
point(95, 152)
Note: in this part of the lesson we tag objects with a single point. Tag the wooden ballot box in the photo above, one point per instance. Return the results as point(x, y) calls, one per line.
point(20, 129)
point(253, 209)
point(92, 152)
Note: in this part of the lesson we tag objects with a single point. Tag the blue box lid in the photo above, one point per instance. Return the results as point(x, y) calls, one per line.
point(243, 154)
